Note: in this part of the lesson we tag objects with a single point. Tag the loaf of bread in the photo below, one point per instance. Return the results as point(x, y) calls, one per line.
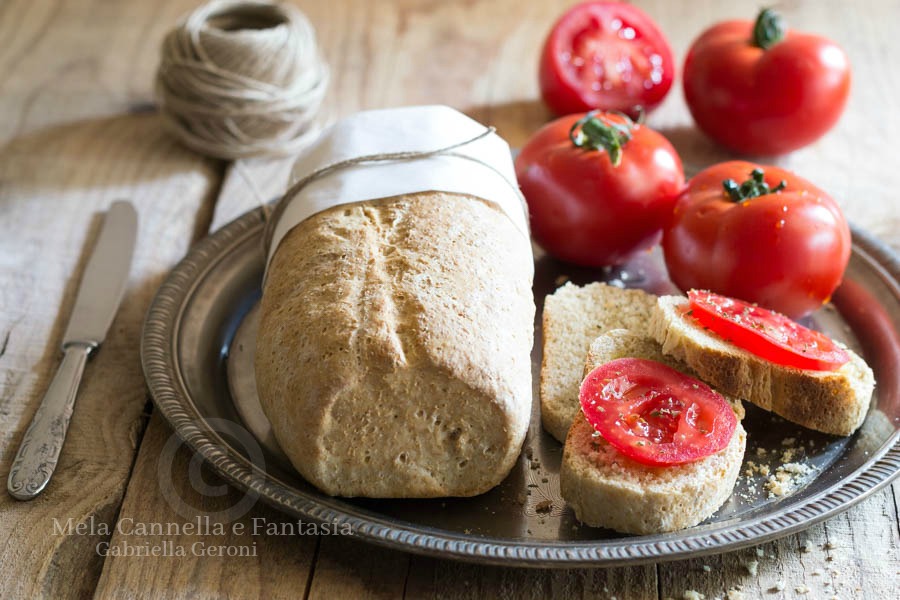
point(393, 354)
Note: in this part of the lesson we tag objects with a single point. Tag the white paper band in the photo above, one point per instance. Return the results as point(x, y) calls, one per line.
point(410, 129)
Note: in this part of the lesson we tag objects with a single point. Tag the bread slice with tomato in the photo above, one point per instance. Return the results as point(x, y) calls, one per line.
point(573, 317)
point(831, 401)
point(608, 489)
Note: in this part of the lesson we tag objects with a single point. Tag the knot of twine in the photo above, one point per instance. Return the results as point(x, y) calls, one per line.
point(273, 215)
point(241, 78)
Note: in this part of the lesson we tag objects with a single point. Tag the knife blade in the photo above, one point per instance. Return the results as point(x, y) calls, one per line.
point(99, 295)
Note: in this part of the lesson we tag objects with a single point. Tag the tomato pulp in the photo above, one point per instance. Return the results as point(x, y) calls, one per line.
point(606, 55)
point(767, 334)
point(654, 414)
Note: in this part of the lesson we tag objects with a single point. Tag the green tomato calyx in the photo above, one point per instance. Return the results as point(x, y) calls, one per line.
point(769, 29)
point(752, 188)
point(594, 133)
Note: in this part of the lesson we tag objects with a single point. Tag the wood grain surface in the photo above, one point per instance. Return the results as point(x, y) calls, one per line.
point(77, 130)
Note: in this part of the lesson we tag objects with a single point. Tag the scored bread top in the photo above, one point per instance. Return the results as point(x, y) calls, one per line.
point(573, 317)
point(833, 402)
point(393, 354)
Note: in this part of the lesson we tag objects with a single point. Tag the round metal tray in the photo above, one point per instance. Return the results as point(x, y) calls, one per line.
point(197, 349)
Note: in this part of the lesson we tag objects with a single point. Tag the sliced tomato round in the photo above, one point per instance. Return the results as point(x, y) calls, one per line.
point(654, 414)
point(606, 55)
point(766, 333)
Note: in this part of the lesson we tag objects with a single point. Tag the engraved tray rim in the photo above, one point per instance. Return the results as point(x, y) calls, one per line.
point(172, 398)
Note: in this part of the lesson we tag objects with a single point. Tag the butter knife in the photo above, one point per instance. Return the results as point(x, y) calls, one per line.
point(99, 295)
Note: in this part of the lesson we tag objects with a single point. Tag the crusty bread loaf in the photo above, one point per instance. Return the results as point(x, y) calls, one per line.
point(607, 489)
point(393, 354)
point(833, 402)
point(573, 317)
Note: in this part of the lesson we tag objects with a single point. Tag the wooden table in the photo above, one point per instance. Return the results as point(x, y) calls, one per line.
point(78, 129)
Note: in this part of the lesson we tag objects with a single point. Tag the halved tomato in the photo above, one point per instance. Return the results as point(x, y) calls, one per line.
point(654, 414)
point(766, 333)
point(605, 55)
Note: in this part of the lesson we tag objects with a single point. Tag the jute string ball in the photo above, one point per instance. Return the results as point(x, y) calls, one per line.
point(242, 78)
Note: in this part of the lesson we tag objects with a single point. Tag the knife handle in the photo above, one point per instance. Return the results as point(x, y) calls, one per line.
point(39, 451)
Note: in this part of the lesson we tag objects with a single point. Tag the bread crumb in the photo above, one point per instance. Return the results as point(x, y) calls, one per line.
point(778, 587)
point(788, 455)
point(544, 506)
point(788, 441)
point(829, 546)
point(706, 569)
point(692, 595)
point(756, 469)
point(735, 594)
point(816, 573)
point(801, 589)
point(787, 478)
point(806, 546)
point(760, 451)
point(561, 280)
point(760, 552)
point(752, 567)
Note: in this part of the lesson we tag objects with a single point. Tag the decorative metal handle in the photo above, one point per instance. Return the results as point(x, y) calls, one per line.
point(40, 448)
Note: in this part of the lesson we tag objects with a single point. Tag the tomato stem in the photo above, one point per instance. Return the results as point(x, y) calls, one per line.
point(752, 188)
point(769, 29)
point(593, 133)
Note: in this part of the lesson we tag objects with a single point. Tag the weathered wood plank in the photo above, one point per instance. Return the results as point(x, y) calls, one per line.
point(429, 578)
point(63, 159)
point(212, 548)
point(56, 183)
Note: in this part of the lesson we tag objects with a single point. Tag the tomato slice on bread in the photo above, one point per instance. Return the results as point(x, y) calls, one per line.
point(766, 333)
point(654, 414)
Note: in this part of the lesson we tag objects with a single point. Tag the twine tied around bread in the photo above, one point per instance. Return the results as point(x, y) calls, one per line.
point(273, 215)
point(242, 78)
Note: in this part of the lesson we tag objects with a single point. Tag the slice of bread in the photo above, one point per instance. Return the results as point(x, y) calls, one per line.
point(833, 402)
point(607, 489)
point(573, 316)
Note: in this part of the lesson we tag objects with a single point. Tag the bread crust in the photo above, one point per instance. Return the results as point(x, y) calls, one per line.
point(393, 354)
point(834, 402)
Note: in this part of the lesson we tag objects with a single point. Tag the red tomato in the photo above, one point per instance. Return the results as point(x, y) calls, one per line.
point(605, 55)
point(785, 250)
point(763, 99)
point(585, 208)
point(654, 414)
point(767, 334)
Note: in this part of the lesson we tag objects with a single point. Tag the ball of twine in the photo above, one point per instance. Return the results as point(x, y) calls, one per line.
point(241, 78)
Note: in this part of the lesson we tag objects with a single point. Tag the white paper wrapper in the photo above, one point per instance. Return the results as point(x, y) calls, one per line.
point(410, 129)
